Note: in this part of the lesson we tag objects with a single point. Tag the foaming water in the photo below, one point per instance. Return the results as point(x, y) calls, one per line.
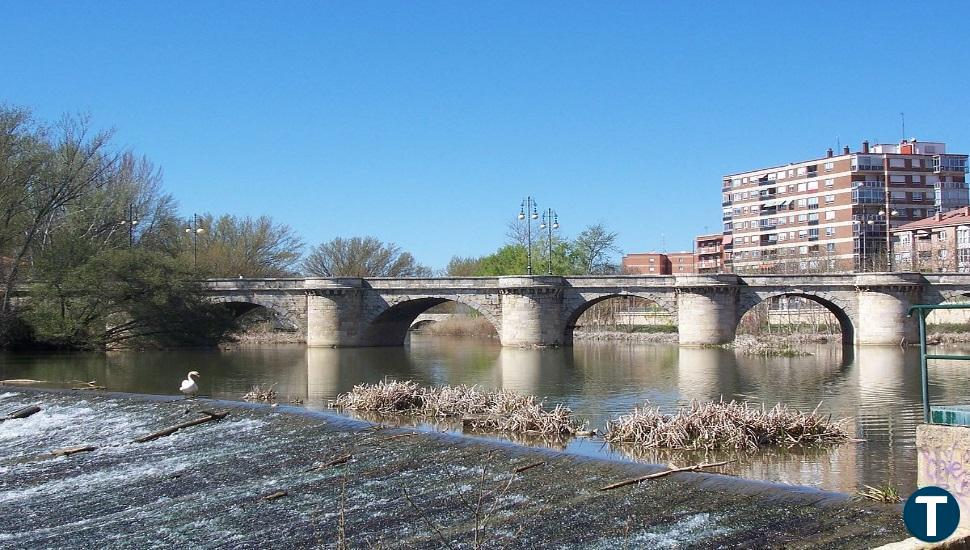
point(877, 389)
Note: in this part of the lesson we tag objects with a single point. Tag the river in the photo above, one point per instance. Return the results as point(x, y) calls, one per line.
point(877, 389)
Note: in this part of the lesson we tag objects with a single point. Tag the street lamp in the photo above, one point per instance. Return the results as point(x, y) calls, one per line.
point(528, 209)
point(195, 231)
point(550, 221)
point(131, 222)
point(889, 247)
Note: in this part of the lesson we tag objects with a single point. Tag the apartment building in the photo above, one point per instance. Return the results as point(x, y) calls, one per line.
point(658, 263)
point(710, 253)
point(681, 263)
point(938, 243)
point(816, 215)
point(646, 263)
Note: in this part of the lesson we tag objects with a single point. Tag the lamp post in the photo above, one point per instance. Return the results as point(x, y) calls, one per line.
point(550, 221)
point(528, 210)
point(131, 222)
point(195, 231)
point(889, 248)
point(862, 237)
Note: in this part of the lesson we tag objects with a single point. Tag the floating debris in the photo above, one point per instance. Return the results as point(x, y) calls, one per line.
point(719, 425)
point(260, 393)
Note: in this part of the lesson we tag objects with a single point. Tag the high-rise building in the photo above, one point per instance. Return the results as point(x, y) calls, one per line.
point(832, 213)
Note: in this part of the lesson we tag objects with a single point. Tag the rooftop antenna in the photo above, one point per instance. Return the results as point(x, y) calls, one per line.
point(838, 144)
point(902, 117)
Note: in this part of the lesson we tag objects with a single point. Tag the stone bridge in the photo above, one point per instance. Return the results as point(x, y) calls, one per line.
point(543, 310)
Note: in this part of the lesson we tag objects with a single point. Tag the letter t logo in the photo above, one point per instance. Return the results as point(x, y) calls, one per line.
point(931, 502)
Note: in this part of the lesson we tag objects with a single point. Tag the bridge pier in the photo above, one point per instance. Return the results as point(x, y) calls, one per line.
point(884, 302)
point(334, 309)
point(707, 309)
point(531, 311)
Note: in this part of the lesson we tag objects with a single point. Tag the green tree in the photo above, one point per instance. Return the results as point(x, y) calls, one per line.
point(592, 249)
point(122, 296)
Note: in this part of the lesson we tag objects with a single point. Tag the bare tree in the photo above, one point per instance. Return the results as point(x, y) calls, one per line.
point(251, 247)
point(362, 257)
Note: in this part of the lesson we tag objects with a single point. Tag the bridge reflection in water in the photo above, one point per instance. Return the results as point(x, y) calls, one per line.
point(877, 388)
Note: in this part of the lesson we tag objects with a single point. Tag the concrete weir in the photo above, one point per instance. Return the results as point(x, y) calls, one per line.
point(543, 310)
point(205, 487)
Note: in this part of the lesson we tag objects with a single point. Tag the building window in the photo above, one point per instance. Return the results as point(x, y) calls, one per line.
point(803, 250)
point(829, 198)
point(829, 184)
point(917, 196)
point(812, 185)
point(830, 248)
point(897, 163)
point(813, 233)
point(830, 215)
point(829, 231)
point(801, 187)
point(829, 166)
point(941, 236)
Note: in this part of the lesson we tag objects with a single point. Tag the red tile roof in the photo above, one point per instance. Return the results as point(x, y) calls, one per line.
point(960, 216)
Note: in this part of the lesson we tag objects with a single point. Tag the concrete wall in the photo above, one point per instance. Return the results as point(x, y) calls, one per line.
point(944, 461)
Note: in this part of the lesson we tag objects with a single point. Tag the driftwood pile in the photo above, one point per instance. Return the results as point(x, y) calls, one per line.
point(720, 425)
point(479, 408)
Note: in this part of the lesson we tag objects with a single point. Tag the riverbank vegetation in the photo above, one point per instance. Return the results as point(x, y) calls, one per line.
point(87, 232)
point(463, 326)
point(720, 425)
point(479, 408)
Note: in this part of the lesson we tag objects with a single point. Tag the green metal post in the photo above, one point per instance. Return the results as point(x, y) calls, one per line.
point(922, 365)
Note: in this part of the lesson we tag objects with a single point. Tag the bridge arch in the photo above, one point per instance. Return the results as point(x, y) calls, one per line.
point(389, 325)
point(842, 311)
point(242, 305)
point(576, 306)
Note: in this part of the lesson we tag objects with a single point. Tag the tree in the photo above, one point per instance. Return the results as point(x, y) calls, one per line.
point(362, 257)
point(48, 167)
point(592, 249)
point(463, 267)
point(123, 295)
point(230, 246)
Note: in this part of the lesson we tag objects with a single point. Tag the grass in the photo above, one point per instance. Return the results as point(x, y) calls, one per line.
point(887, 494)
point(720, 425)
point(261, 393)
point(481, 409)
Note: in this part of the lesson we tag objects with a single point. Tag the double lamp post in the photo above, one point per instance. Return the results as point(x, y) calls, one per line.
point(528, 211)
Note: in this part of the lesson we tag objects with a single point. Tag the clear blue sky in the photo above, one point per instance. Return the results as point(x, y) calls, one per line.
point(426, 123)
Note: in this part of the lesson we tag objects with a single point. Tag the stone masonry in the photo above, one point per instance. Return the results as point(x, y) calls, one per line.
point(543, 310)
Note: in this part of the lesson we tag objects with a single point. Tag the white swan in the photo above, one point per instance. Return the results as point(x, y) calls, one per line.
point(189, 387)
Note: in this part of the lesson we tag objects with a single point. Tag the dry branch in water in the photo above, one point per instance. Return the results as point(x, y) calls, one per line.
point(662, 474)
point(720, 425)
point(482, 409)
point(274, 496)
point(72, 450)
point(21, 413)
point(210, 416)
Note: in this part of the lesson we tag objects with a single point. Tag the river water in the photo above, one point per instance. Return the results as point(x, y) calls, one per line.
point(877, 389)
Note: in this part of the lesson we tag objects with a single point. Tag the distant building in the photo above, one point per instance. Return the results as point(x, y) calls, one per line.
point(681, 263)
point(658, 263)
point(646, 263)
point(709, 253)
point(830, 213)
point(937, 243)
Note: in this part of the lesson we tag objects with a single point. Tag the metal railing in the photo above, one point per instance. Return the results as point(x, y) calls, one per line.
point(923, 311)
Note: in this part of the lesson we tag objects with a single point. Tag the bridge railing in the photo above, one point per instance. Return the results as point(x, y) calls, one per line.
point(922, 311)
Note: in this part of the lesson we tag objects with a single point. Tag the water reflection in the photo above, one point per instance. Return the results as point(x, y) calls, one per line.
point(877, 388)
